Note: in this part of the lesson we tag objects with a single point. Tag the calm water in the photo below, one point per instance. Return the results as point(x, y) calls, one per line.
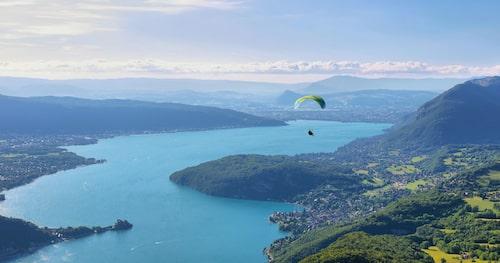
point(171, 223)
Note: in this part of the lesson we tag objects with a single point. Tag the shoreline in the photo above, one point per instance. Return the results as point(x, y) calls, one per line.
point(109, 136)
point(95, 139)
point(60, 235)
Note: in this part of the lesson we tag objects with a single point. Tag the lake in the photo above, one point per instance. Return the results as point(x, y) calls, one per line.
point(171, 223)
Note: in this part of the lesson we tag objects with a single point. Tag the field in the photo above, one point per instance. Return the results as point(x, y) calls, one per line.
point(448, 231)
point(460, 159)
point(437, 255)
point(483, 204)
point(494, 176)
point(403, 169)
point(378, 191)
point(11, 155)
point(418, 159)
point(361, 172)
point(375, 181)
point(415, 184)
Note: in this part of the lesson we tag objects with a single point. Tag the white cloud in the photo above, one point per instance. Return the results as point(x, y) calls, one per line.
point(163, 6)
point(47, 18)
point(160, 68)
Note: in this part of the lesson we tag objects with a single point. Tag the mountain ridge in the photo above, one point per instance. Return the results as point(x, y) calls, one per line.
point(68, 115)
point(350, 83)
point(466, 113)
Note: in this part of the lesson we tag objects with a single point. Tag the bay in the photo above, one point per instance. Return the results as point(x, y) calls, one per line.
point(171, 223)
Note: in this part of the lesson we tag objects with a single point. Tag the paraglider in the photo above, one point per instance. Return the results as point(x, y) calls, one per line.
point(319, 100)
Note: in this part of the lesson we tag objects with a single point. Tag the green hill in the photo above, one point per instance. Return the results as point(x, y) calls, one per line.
point(359, 247)
point(439, 217)
point(401, 217)
point(258, 177)
point(466, 114)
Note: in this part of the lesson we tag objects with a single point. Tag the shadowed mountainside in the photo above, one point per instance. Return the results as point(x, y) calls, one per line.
point(65, 115)
point(466, 114)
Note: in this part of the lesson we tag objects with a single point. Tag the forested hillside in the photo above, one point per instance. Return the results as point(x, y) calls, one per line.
point(467, 113)
point(64, 115)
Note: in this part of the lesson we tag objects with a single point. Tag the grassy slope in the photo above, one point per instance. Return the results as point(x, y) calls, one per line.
point(438, 254)
point(359, 247)
point(481, 203)
point(400, 217)
point(442, 211)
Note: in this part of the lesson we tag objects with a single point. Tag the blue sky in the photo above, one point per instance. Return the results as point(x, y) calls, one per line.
point(284, 41)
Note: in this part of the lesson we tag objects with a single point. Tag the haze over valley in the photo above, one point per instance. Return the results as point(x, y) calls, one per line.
point(249, 131)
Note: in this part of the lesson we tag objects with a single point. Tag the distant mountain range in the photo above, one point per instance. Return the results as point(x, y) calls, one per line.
point(466, 114)
point(349, 98)
point(160, 89)
point(387, 106)
point(348, 83)
point(433, 139)
point(410, 99)
point(469, 113)
point(133, 88)
point(66, 115)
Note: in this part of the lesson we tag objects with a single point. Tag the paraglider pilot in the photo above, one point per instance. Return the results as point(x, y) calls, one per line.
point(321, 102)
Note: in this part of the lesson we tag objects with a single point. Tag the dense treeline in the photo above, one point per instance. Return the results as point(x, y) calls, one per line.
point(359, 247)
point(462, 233)
point(261, 177)
point(19, 236)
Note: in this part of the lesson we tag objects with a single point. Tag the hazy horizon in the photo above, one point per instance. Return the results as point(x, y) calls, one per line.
point(314, 78)
point(280, 131)
point(247, 40)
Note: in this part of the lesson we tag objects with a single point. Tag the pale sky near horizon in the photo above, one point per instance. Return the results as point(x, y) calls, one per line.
point(270, 40)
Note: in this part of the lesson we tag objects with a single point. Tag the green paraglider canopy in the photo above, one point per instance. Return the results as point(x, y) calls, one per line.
point(315, 98)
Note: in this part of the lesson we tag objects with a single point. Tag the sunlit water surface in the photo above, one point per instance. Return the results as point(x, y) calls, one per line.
point(171, 223)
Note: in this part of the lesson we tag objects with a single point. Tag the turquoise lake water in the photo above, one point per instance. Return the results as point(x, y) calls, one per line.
point(171, 223)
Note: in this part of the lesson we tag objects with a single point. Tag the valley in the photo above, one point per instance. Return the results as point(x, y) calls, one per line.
point(385, 169)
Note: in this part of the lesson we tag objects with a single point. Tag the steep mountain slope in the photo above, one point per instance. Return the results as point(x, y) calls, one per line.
point(63, 115)
point(469, 113)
